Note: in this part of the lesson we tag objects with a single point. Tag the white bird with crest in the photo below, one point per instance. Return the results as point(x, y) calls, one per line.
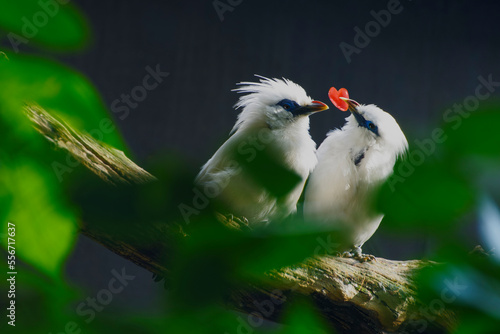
point(274, 121)
point(352, 164)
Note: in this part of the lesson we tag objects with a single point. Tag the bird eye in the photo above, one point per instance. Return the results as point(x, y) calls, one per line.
point(371, 126)
point(286, 106)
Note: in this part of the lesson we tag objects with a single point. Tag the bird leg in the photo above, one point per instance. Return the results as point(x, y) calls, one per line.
point(231, 221)
point(356, 253)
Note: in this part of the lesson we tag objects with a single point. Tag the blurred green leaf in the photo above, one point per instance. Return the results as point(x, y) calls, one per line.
point(430, 197)
point(45, 22)
point(273, 252)
point(267, 171)
point(45, 226)
point(474, 322)
point(214, 319)
point(31, 191)
point(42, 305)
point(215, 260)
point(67, 94)
point(476, 134)
point(302, 318)
point(254, 253)
point(463, 283)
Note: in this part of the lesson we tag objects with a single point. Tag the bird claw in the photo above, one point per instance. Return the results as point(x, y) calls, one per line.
point(365, 258)
point(345, 254)
point(358, 255)
point(230, 220)
point(241, 221)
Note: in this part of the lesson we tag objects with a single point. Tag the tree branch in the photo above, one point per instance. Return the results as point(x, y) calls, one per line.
point(108, 163)
point(371, 297)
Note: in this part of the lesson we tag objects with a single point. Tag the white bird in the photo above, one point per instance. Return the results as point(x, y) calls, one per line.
point(352, 163)
point(274, 121)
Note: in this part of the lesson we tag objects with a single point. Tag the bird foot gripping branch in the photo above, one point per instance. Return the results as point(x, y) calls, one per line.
point(358, 255)
point(233, 222)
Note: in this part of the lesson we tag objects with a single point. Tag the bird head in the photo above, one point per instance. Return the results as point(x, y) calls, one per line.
point(372, 126)
point(274, 103)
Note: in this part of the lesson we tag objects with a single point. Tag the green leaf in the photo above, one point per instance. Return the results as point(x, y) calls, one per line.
point(431, 196)
point(261, 254)
point(45, 228)
point(472, 322)
point(69, 95)
point(476, 134)
point(210, 320)
point(45, 303)
point(224, 259)
point(45, 22)
point(30, 194)
point(301, 318)
point(265, 167)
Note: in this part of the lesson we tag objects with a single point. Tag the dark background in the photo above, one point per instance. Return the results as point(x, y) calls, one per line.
point(426, 59)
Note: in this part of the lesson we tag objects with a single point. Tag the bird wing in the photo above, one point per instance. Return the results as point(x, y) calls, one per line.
point(244, 194)
point(233, 188)
point(332, 186)
point(338, 194)
point(219, 162)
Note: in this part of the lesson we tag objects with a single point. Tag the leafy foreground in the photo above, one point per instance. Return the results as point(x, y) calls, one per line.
point(288, 275)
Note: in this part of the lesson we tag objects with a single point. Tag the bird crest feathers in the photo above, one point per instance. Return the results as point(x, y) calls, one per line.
point(266, 92)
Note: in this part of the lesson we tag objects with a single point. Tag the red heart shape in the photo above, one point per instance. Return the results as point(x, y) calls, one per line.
point(335, 96)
